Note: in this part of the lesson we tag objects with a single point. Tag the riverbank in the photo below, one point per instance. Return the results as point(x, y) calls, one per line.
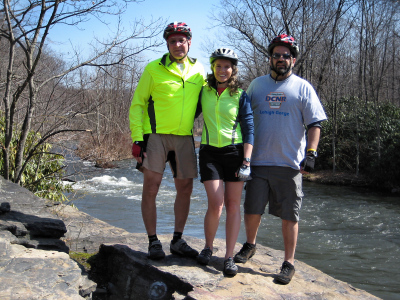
point(328, 177)
point(121, 269)
point(338, 178)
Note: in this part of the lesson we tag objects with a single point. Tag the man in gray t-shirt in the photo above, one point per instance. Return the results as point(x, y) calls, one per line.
point(283, 105)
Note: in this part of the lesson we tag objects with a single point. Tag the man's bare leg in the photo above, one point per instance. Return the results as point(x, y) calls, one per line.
point(252, 222)
point(290, 231)
point(151, 184)
point(184, 189)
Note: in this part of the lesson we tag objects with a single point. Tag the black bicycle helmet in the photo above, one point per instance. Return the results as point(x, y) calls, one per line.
point(284, 40)
point(224, 53)
point(177, 27)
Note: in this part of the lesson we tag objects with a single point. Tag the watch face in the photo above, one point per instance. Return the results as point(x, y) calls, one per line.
point(313, 153)
point(247, 159)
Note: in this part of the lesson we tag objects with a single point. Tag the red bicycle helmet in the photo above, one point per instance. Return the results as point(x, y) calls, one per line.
point(177, 27)
point(224, 53)
point(284, 40)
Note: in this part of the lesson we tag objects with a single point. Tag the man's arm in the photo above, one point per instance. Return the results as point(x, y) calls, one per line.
point(313, 137)
point(138, 105)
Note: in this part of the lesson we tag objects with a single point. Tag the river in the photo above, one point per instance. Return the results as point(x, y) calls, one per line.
point(349, 234)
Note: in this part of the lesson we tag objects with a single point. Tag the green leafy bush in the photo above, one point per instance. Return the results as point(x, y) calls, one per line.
point(43, 172)
point(374, 129)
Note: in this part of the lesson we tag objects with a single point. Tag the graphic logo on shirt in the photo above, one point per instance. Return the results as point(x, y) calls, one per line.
point(275, 99)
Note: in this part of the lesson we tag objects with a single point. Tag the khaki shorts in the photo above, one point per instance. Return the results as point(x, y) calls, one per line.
point(280, 187)
point(178, 150)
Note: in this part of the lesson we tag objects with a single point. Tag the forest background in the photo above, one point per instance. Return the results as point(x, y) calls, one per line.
point(349, 51)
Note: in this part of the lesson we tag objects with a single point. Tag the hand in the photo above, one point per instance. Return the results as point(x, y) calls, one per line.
point(137, 149)
point(243, 171)
point(309, 161)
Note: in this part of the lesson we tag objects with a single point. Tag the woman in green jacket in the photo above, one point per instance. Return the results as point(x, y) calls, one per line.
point(225, 151)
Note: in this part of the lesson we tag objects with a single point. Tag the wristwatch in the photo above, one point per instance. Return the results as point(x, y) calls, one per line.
point(247, 159)
point(312, 153)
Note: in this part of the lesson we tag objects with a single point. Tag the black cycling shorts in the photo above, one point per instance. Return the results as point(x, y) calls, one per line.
point(220, 163)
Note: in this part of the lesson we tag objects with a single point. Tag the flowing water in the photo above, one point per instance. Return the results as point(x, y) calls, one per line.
point(351, 235)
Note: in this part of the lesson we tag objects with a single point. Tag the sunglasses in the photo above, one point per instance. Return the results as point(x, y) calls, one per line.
point(278, 56)
point(177, 42)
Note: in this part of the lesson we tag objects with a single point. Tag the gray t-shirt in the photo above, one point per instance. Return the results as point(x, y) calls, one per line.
point(281, 110)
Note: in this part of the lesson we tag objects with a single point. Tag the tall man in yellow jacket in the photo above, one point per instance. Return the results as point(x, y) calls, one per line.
point(161, 123)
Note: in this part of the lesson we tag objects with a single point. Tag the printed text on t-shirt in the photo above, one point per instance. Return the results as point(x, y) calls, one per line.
point(270, 112)
point(275, 99)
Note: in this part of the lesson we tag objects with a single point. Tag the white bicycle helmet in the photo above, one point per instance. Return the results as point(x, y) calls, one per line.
point(224, 53)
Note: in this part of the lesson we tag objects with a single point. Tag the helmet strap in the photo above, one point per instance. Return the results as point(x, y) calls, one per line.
point(172, 58)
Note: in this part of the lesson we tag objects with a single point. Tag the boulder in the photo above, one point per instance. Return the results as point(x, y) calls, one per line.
point(34, 261)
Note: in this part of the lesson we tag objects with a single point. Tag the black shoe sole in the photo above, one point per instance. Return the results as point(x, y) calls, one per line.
point(194, 255)
point(282, 280)
point(242, 260)
point(203, 261)
point(158, 257)
point(230, 273)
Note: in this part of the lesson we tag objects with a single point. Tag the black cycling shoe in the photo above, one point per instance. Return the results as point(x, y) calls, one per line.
point(230, 268)
point(183, 249)
point(205, 256)
point(247, 252)
point(156, 251)
point(286, 274)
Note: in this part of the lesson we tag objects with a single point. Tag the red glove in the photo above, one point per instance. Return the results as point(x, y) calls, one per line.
point(137, 148)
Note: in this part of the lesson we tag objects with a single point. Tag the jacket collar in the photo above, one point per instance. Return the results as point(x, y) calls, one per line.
point(166, 59)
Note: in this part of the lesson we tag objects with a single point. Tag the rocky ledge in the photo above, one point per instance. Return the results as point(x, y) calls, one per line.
point(35, 237)
point(34, 260)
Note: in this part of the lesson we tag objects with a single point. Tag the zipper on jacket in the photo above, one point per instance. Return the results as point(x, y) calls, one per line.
point(217, 117)
point(183, 92)
point(183, 103)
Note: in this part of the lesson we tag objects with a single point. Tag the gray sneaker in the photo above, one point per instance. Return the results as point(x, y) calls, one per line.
point(155, 251)
point(245, 253)
point(183, 249)
point(286, 274)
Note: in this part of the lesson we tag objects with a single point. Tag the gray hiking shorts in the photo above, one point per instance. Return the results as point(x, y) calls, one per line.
point(280, 187)
point(178, 150)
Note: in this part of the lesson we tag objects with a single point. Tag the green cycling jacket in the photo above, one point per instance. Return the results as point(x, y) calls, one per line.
point(226, 118)
point(165, 99)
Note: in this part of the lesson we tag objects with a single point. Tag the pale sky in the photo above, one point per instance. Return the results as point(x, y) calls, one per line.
point(195, 13)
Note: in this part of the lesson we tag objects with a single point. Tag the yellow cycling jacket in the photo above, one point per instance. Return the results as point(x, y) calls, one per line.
point(165, 100)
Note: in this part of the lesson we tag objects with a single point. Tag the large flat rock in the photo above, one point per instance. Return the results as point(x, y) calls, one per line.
point(27, 273)
point(130, 274)
point(34, 261)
